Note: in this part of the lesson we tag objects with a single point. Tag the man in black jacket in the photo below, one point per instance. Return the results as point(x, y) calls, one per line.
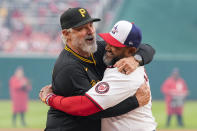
point(79, 66)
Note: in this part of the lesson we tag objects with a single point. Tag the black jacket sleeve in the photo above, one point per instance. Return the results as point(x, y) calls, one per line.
point(119, 109)
point(147, 52)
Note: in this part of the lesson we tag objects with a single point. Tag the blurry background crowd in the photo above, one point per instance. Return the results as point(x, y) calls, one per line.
point(32, 26)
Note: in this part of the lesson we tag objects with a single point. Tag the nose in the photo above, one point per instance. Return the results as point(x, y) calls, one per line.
point(90, 29)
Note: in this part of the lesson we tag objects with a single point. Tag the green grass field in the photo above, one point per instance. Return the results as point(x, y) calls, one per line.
point(36, 115)
point(190, 115)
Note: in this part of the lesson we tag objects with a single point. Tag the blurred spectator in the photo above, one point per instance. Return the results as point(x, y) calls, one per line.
point(175, 90)
point(19, 89)
point(27, 25)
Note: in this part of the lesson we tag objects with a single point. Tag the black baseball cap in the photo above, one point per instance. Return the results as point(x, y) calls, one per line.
point(75, 17)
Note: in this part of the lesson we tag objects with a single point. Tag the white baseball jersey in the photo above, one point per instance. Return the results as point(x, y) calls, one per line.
point(116, 87)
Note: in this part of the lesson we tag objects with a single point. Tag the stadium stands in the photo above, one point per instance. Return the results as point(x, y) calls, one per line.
point(32, 26)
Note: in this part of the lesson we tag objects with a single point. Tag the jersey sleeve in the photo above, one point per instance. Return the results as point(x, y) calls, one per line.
point(123, 107)
point(75, 105)
point(115, 87)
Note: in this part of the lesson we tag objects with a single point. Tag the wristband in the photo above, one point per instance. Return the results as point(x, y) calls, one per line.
point(47, 98)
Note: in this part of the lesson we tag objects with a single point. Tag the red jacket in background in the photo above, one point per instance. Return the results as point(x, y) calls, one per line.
point(19, 89)
point(174, 91)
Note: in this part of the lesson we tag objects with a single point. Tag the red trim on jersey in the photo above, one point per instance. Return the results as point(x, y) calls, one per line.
point(75, 105)
point(94, 102)
point(145, 76)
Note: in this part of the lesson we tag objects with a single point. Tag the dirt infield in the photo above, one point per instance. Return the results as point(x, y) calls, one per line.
point(25, 129)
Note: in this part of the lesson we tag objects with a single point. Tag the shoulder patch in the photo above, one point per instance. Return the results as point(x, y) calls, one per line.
point(102, 88)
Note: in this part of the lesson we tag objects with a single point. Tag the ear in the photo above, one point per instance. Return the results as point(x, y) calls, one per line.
point(66, 34)
point(131, 50)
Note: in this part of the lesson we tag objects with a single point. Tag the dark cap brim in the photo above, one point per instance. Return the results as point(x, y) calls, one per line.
point(86, 21)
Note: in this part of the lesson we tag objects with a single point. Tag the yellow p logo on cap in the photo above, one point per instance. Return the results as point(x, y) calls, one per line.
point(82, 12)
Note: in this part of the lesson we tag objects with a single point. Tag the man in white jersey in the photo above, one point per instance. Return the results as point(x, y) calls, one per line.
point(123, 41)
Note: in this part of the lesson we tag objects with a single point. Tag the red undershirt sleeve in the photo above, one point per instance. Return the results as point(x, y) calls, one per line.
point(75, 105)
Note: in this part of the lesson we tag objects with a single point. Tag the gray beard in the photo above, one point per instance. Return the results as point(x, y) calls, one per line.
point(89, 48)
point(110, 62)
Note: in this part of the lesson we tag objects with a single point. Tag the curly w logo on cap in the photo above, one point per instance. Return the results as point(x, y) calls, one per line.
point(123, 34)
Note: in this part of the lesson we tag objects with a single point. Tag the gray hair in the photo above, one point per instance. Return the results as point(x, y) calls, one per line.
point(63, 37)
